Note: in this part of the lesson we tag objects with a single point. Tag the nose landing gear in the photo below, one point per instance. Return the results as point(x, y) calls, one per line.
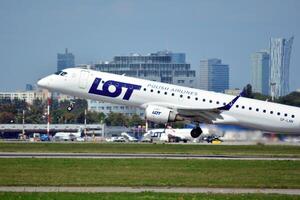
point(196, 132)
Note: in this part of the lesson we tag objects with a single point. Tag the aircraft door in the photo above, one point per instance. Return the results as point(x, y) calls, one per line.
point(83, 79)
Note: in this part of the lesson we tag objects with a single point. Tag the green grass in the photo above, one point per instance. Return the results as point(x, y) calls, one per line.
point(141, 196)
point(149, 172)
point(248, 150)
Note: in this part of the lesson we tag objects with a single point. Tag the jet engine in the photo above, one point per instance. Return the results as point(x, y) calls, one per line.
point(161, 115)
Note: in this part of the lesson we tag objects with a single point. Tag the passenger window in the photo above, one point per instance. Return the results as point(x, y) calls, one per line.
point(158, 92)
point(210, 101)
point(145, 89)
point(257, 109)
point(196, 98)
point(250, 108)
point(224, 104)
point(237, 106)
point(181, 96)
point(166, 93)
point(285, 115)
point(151, 90)
point(172, 94)
point(278, 113)
point(218, 102)
point(264, 111)
point(203, 100)
point(293, 116)
point(271, 112)
point(243, 107)
point(188, 97)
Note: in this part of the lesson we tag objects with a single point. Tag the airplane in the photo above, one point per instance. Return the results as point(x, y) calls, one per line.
point(165, 103)
point(68, 136)
point(183, 134)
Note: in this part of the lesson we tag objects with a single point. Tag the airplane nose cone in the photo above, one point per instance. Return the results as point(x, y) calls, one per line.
point(43, 83)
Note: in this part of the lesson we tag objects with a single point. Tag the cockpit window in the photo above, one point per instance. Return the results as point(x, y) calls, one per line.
point(61, 73)
point(58, 72)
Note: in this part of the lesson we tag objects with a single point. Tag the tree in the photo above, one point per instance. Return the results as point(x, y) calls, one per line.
point(116, 119)
point(135, 120)
point(6, 117)
point(292, 99)
point(248, 91)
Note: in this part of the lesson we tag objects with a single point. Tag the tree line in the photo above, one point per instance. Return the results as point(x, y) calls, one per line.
point(11, 111)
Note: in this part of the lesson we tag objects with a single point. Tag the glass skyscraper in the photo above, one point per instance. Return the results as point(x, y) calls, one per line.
point(260, 72)
point(280, 53)
point(214, 76)
point(163, 66)
point(65, 60)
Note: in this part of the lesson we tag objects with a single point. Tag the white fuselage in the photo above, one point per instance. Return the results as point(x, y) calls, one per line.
point(121, 89)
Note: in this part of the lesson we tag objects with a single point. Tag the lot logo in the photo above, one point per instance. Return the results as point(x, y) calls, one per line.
point(117, 88)
point(154, 112)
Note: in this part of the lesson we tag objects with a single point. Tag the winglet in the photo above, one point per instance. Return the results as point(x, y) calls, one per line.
point(230, 104)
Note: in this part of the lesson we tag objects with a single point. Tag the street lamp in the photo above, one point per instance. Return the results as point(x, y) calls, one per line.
point(23, 124)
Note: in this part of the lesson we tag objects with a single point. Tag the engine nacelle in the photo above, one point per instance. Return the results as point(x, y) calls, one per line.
point(162, 115)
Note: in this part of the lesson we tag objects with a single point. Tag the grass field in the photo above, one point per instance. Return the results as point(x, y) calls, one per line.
point(255, 150)
point(149, 172)
point(140, 196)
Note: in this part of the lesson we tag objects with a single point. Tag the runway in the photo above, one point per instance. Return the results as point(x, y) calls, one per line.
point(150, 189)
point(136, 156)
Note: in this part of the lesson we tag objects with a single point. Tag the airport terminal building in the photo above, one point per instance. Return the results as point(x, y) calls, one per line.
point(162, 66)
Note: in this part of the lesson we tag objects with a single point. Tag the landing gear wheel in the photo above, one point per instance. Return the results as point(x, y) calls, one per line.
point(196, 132)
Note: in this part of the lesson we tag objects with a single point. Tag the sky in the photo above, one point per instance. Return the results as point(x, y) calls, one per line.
point(32, 32)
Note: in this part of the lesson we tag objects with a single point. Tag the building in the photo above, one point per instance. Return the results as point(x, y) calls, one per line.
point(65, 60)
point(234, 92)
point(27, 96)
point(214, 76)
point(29, 87)
point(162, 66)
point(280, 53)
point(260, 72)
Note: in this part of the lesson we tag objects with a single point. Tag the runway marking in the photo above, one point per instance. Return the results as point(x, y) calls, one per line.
point(150, 189)
point(130, 156)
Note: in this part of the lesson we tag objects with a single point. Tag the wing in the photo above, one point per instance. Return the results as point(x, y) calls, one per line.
point(207, 115)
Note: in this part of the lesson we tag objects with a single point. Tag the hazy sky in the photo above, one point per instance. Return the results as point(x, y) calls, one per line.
point(32, 32)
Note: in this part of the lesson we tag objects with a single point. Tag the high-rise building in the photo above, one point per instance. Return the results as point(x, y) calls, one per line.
point(260, 72)
point(214, 76)
point(163, 66)
point(65, 60)
point(280, 53)
point(29, 87)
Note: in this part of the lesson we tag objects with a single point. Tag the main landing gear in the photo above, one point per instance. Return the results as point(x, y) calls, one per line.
point(196, 132)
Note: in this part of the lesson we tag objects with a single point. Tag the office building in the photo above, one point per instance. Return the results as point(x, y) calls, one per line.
point(163, 66)
point(280, 53)
point(214, 76)
point(29, 87)
point(27, 96)
point(65, 60)
point(260, 73)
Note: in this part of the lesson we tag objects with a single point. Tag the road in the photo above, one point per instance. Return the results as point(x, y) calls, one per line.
point(150, 189)
point(130, 156)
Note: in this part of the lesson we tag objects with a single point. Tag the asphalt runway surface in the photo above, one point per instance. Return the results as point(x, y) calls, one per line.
point(150, 189)
point(131, 156)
